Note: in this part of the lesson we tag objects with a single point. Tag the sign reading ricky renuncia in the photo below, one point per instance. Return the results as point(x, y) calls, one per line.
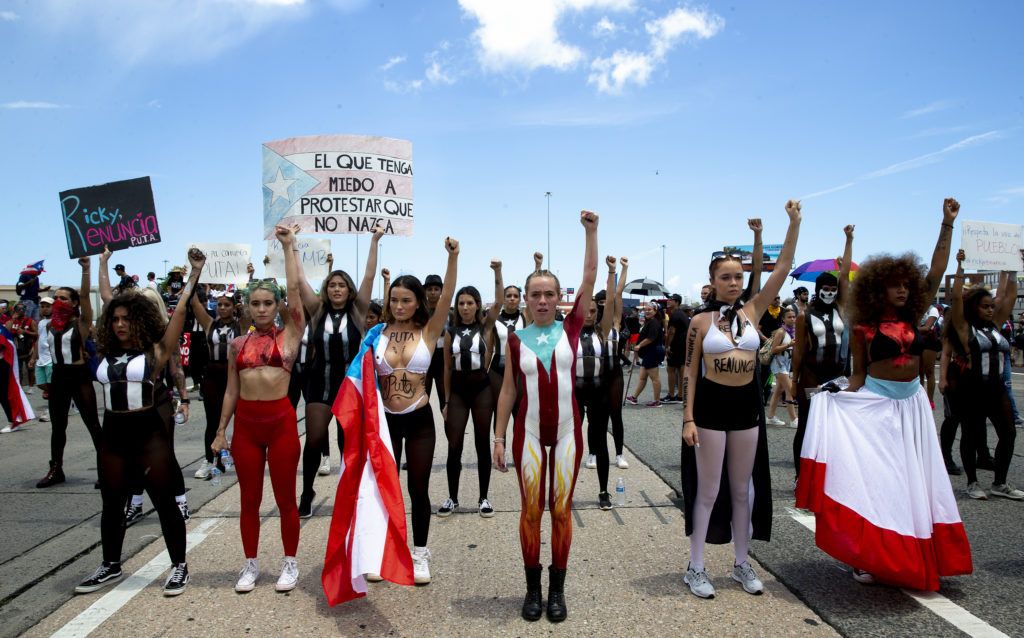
point(338, 184)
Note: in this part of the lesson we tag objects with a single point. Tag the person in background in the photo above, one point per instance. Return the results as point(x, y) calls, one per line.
point(5, 315)
point(800, 298)
point(126, 281)
point(433, 285)
point(41, 361)
point(23, 328)
point(151, 281)
point(705, 293)
point(781, 364)
point(651, 352)
point(675, 352)
point(28, 289)
point(1008, 334)
point(929, 329)
point(173, 286)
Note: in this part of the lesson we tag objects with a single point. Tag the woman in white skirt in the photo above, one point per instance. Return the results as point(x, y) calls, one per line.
point(782, 361)
point(870, 467)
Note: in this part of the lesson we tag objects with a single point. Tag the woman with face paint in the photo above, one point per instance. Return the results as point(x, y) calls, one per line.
point(547, 434)
point(69, 327)
point(821, 346)
point(980, 394)
point(871, 468)
point(509, 320)
point(723, 418)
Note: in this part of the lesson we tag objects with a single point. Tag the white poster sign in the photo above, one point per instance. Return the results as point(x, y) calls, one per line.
point(313, 253)
point(225, 263)
point(992, 246)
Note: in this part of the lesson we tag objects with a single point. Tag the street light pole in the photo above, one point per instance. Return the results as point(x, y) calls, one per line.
point(548, 196)
point(165, 268)
point(663, 264)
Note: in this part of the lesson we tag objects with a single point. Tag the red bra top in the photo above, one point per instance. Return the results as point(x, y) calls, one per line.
point(261, 349)
point(892, 339)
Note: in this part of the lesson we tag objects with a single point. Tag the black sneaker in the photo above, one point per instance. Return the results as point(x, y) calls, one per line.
point(672, 400)
point(183, 508)
point(667, 398)
point(306, 504)
point(132, 514)
point(106, 574)
point(177, 580)
point(447, 508)
point(604, 501)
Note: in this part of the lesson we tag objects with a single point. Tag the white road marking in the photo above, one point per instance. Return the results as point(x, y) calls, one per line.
point(934, 602)
point(86, 622)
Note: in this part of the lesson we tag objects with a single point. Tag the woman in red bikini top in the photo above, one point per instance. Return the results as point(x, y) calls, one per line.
point(259, 370)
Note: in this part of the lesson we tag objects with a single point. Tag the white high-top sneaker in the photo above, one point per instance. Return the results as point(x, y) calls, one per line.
point(289, 575)
point(420, 565)
point(247, 577)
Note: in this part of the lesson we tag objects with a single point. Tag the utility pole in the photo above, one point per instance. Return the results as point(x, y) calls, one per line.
point(548, 255)
point(663, 264)
point(165, 268)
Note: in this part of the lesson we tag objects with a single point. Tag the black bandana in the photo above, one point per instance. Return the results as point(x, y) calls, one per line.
point(727, 312)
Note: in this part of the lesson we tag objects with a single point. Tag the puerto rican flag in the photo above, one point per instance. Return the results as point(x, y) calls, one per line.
point(21, 411)
point(34, 269)
point(368, 533)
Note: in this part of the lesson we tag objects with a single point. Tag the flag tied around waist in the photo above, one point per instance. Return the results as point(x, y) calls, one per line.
point(21, 411)
point(368, 533)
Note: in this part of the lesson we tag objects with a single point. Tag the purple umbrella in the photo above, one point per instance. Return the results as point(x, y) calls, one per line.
point(810, 270)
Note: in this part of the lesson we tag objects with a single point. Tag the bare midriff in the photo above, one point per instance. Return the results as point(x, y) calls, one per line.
point(402, 389)
point(732, 368)
point(889, 370)
point(264, 383)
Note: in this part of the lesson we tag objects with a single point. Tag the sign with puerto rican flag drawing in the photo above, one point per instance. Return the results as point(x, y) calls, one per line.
point(338, 184)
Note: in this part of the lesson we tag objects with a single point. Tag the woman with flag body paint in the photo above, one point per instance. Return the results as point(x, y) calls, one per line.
point(725, 451)
point(871, 466)
point(135, 342)
point(541, 369)
point(467, 342)
point(69, 327)
point(402, 355)
point(337, 325)
point(265, 432)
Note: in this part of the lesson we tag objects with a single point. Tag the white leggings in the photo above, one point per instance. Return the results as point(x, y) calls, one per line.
point(735, 450)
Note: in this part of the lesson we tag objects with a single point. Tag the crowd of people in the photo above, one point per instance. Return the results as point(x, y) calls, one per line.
point(526, 374)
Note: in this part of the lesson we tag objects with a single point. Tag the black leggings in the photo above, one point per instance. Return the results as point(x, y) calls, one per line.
point(163, 408)
point(417, 429)
point(811, 376)
point(592, 400)
point(199, 355)
point(134, 447)
point(615, 384)
point(470, 392)
point(214, 386)
point(981, 400)
point(5, 375)
point(318, 441)
point(435, 373)
point(952, 409)
point(297, 389)
point(71, 382)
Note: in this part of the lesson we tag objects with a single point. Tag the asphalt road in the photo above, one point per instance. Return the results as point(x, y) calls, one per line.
point(994, 529)
point(45, 531)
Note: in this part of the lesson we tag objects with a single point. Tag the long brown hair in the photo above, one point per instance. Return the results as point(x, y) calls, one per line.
point(413, 285)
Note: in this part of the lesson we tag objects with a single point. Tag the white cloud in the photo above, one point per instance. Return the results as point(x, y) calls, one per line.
point(613, 73)
point(605, 27)
point(21, 104)
point(8, 16)
point(398, 59)
point(827, 191)
point(403, 87)
point(154, 104)
point(935, 156)
point(522, 35)
point(182, 31)
point(666, 32)
point(938, 105)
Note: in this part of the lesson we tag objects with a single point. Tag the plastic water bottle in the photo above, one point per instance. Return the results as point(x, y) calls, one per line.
point(226, 460)
point(215, 476)
point(620, 492)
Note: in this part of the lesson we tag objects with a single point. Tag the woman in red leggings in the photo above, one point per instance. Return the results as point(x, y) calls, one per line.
point(259, 370)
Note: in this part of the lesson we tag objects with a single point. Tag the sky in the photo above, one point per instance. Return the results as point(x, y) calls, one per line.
point(675, 122)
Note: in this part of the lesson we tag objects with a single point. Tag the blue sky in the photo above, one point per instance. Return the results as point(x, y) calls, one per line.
point(674, 121)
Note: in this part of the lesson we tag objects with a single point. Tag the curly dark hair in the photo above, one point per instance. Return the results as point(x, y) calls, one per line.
point(147, 327)
point(868, 301)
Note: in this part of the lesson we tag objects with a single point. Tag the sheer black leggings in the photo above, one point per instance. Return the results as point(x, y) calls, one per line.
point(318, 441)
point(981, 400)
point(592, 400)
point(417, 430)
point(71, 382)
point(297, 390)
point(615, 384)
point(470, 393)
point(952, 408)
point(163, 408)
point(215, 384)
point(134, 448)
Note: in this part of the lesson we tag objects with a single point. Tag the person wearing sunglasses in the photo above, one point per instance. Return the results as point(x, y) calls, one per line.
point(723, 418)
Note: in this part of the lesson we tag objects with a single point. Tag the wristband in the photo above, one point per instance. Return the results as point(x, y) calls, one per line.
point(685, 421)
point(185, 401)
point(499, 440)
point(950, 225)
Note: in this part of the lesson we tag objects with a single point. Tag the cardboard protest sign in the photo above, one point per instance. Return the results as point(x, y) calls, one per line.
point(119, 214)
point(338, 184)
point(312, 252)
point(225, 263)
point(991, 246)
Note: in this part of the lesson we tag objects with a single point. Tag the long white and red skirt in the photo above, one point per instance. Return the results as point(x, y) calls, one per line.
point(872, 474)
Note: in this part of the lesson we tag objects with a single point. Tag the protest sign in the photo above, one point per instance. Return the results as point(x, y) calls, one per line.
point(119, 215)
point(185, 347)
point(312, 252)
point(338, 184)
point(225, 263)
point(991, 246)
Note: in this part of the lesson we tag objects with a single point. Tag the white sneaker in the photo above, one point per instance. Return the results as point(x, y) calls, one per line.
point(746, 576)
point(10, 428)
point(289, 575)
point(73, 410)
point(373, 577)
point(45, 416)
point(1006, 491)
point(974, 491)
point(420, 565)
point(863, 577)
point(247, 577)
point(29, 391)
point(204, 470)
point(591, 462)
point(795, 423)
point(621, 462)
point(325, 466)
point(775, 421)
